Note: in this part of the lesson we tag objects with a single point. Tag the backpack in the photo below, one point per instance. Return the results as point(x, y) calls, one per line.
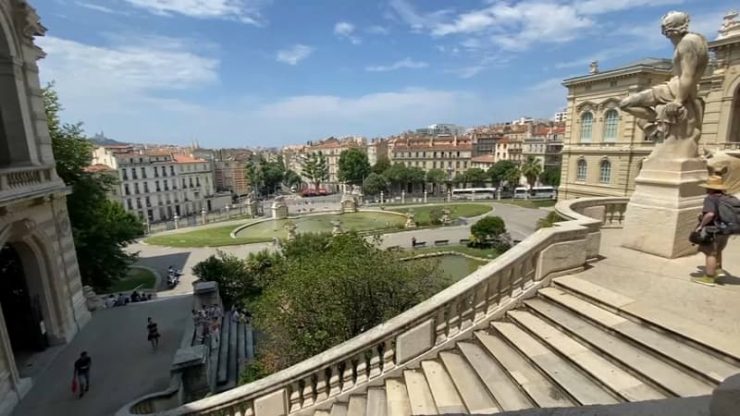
point(728, 208)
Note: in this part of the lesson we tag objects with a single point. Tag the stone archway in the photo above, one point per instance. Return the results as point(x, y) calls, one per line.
point(734, 131)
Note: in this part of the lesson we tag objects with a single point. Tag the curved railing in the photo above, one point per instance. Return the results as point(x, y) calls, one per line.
point(421, 332)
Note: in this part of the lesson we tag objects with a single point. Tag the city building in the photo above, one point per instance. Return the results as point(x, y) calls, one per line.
point(332, 148)
point(441, 129)
point(449, 153)
point(484, 162)
point(230, 176)
point(377, 149)
point(157, 184)
point(484, 141)
point(41, 294)
point(545, 144)
point(560, 116)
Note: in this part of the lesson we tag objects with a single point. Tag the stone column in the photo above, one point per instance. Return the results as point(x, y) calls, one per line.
point(425, 196)
point(203, 216)
point(403, 196)
point(665, 207)
point(176, 218)
point(382, 199)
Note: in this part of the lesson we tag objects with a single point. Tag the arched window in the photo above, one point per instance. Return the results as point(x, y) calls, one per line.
point(605, 171)
point(581, 171)
point(587, 121)
point(611, 124)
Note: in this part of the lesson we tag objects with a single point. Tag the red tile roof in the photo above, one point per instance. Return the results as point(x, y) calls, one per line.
point(180, 158)
point(97, 168)
point(483, 159)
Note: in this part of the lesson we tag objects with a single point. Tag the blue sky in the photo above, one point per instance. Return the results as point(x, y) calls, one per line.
point(273, 72)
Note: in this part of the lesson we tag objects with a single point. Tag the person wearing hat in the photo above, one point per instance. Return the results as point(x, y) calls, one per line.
point(709, 217)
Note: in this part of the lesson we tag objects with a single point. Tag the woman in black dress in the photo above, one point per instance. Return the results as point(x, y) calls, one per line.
point(153, 335)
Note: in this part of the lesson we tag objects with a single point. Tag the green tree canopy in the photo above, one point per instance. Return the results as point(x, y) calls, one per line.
point(498, 172)
point(488, 228)
point(416, 175)
point(291, 178)
point(381, 165)
point(316, 169)
point(436, 176)
point(374, 184)
point(101, 228)
point(353, 166)
point(551, 176)
point(531, 169)
point(476, 176)
point(397, 174)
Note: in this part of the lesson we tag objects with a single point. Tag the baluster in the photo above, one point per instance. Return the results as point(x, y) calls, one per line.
point(334, 381)
point(236, 411)
point(441, 325)
point(516, 278)
point(295, 397)
point(361, 369)
point(308, 392)
point(322, 392)
point(621, 209)
point(249, 411)
point(454, 321)
point(494, 291)
point(481, 297)
point(388, 354)
point(468, 303)
point(348, 380)
point(375, 362)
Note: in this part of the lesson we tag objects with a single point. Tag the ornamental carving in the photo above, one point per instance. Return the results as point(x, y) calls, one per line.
point(609, 103)
point(26, 20)
point(586, 106)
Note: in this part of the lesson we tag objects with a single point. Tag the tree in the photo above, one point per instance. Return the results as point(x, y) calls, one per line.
point(551, 176)
point(460, 179)
point(549, 220)
point(316, 169)
point(498, 172)
point(476, 176)
point(238, 283)
point(353, 166)
point(531, 169)
point(490, 231)
point(324, 297)
point(381, 165)
point(374, 184)
point(254, 175)
point(291, 179)
point(512, 177)
point(101, 228)
point(273, 173)
point(436, 177)
point(397, 175)
point(415, 175)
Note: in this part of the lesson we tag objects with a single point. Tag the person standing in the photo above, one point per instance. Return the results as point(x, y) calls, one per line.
point(708, 224)
point(82, 372)
point(153, 333)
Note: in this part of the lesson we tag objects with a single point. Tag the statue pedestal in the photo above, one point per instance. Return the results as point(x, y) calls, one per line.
point(279, 212)
point(665, 206)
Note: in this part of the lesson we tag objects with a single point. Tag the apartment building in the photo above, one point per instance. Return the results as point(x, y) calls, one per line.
point(545, 144)
point(158, 184)
point(377, 149)
point(450, 153)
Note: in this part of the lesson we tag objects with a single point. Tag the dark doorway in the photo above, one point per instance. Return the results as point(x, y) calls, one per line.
point(21, 309)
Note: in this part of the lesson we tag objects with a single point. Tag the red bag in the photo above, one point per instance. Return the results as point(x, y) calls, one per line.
point(74, 385)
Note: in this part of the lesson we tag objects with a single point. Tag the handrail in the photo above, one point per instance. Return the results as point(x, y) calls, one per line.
point(424, 329)
point(25, 176)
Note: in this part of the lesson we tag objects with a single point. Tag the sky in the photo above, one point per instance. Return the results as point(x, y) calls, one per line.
point(243, 73)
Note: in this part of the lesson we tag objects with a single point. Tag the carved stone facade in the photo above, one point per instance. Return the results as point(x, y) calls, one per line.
point(34, 225)
point(604, 149)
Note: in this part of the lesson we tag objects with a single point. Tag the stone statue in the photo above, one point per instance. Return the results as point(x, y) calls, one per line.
point(446, 219)
point(726, 165)
point(290, 227)
point(348, 203)
point(336, 227)
point(410, 221)
point(279, 208)
point(730, 26)
point(671, 113)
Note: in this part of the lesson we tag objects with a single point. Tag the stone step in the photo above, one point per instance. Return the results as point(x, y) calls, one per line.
point(222, 374)
point(397, 398)
point(504, 390)
point(540, 389)
point(241, 350)
point(619, 381)
point(338, 409)
point(376, 402)
point(321, 413)
point(668, 347)
point(443, 389)
point(578, 385)
point(420, 396)
point(715, 341)
point(357, 405)
point(474, 394)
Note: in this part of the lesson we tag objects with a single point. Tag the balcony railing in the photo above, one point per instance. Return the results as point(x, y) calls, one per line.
point(18, 180)
point(421, 332)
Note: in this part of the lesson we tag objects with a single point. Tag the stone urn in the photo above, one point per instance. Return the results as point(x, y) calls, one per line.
point(410, 221)
point(348, 203)
point(290, 227)
point(279, 208)
point(336, 227)
point(446, 219)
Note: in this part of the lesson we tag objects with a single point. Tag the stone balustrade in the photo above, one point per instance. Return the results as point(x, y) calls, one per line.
point(421, 332)
point(23, 179)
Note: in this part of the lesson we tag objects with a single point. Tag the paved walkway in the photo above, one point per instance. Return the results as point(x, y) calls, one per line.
point(520, 222)
point(123, 363)
point(664, 287)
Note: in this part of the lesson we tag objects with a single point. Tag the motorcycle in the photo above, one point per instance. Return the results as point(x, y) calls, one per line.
point(173, 277)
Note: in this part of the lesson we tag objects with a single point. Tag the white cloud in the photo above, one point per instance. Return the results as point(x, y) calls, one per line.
point(346, 30)
point(99, 8)
point(468, 71)
point(294, 54)
point(378, 30)
point(607, 6)
point(406, 63)
point(246, 11)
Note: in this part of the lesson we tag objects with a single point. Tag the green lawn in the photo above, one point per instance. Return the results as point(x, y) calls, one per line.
point(358, 221)
point(421, 213)
point(136, 277)
point(529, 203)
point(486, 253)
point(206, 237)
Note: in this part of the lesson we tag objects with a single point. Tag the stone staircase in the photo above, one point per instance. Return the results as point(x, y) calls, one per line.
point(571, 345)
point(231, 354)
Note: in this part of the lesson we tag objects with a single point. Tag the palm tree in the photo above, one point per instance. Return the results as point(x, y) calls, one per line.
point(531, 169)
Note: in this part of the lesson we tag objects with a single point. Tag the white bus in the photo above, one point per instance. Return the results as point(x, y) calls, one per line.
point(537, 192)
point(474, 193)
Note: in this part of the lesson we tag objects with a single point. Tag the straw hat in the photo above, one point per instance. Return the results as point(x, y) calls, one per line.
point(714, 182)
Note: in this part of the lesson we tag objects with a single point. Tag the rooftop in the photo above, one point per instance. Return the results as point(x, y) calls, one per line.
point(655, 65)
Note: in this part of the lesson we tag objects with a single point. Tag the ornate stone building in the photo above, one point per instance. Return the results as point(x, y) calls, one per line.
point(40, 288)
point(604, 149)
